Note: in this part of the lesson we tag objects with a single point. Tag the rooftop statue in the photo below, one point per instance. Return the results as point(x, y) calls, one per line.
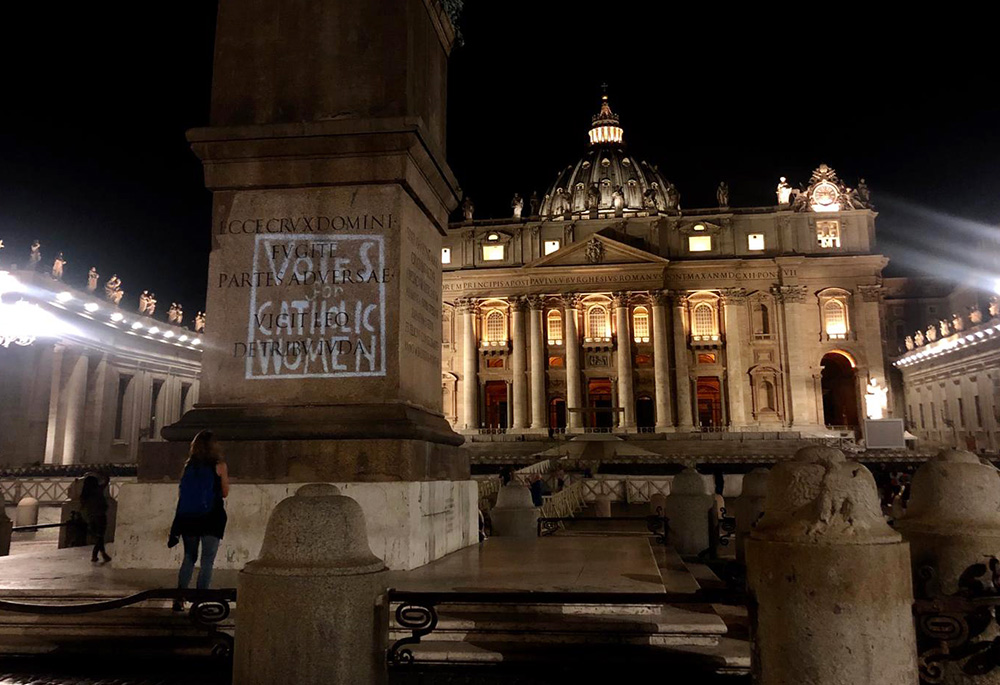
point(784, 192)
point(618, 198)
point(199, 322)
point(560, 202)
point(919, 338)
point(995, 306)
point(673, 197)
point(593, 196)
point(92, 277)
point(150, 304)
point(945, 328)
point(975, 314)
point(595, 251)
point(932, 333)
point(57, 267)
point(143, 301)
point(957, 323)
point(468, 208)
point(909, 342)
point(113, 289)
point(533, 203)
point(864, 194)
point(518, 205)
point(722, 194)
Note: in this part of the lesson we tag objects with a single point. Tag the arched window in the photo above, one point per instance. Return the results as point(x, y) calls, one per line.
point(640, 324)
point(703, 320)
point(555, 327)
point(835, 319)
point(597, 323)
point(761, 319)
point(495, 328)
point(767, 398)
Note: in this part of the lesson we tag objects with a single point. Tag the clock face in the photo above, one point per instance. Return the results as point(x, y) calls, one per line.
point(824, 197)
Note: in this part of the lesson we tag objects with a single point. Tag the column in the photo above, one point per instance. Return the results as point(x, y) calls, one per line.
point(539, 415)
point(685, 417)
point(661, 361)
point(470, 366)
point(55, 392)
point(99, 421)
point(519, 362)
point(75, 396)
point(626, 398)
point(800, 410)
point(733, 305)
point(574, 398)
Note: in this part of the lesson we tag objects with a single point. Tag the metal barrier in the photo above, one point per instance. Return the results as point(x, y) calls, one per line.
point(657, 524)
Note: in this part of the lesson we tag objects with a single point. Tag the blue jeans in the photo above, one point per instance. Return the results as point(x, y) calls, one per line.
point(209, 548)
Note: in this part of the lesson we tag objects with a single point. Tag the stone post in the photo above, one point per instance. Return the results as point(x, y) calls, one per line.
point(690, 508)
point(312, 605)
point(514, 515)
point(470, 366)
point(748, 508)
point(661, 361)
point(519, 365)
point(626, 398)
point(539, 415)
point(574, 396)
point(26, 513)
point(685, 417)
point(953, 526)
point(829, 579)
point(6, 529)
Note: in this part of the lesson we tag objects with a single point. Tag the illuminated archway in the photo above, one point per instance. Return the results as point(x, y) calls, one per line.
point(840, 389)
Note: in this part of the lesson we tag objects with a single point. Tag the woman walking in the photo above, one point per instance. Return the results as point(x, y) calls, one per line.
point(94, 509)
point(200, 520)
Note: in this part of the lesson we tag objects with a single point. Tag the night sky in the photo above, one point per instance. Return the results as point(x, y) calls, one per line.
point(97, 98)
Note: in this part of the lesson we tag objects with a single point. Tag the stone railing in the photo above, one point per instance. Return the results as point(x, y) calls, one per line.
point(48, 491)
point(625, 488)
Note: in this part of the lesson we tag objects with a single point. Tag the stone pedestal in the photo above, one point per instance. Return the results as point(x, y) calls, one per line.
point(325, 156)
point(26, 513)
point(748, 507)
point(515, 515)
point(829, 580)
point(690, 508)
point(953, 527)
point(312, 606)
point(602, 506)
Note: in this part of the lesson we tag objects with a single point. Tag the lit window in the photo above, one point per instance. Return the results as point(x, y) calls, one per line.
point(704, 321)
point(699, 227)
point(835, 319)
point(554, 323)
point(493, 253)
point(496, 328)
point(597, 323)
point(699, 243)
point(706, 358)
point(550, 246)
point(556, 362)
point(446, 255)
point(755, 241)
point(640, 325)
point(828, 233)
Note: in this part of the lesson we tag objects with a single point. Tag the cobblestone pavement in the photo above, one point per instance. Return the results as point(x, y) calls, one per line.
point(77, 671)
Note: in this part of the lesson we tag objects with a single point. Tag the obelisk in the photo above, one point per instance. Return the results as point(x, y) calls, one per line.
point(325, 156)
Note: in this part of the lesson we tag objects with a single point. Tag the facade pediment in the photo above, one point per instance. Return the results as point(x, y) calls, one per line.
point(597, 250)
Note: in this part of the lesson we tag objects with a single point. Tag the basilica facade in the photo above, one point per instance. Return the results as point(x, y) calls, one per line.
point(605, 306)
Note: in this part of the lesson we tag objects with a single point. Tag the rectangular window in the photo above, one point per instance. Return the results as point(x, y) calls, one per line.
point(828, 233)
point(909, 414)
point(979, 414)
point(550, 246)
point(755, 241)
point(700, 243)
point(961, 413)
point(933, 416)
point(123, 383)
point(922, 424)
point(945, 413)
point(493, 253)
point(185, 390)
point(153, 407)
point(446, 255)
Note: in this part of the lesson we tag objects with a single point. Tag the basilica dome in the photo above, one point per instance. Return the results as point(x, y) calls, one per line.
point(608, 179)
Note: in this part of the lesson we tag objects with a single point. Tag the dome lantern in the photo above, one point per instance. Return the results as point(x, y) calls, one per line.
point(604, 126)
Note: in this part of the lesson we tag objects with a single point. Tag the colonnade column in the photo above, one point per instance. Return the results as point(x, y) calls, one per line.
point(536, 331)
point(661, 369)
point(470, 366)
point(626, 400)
point(55, 391)
point(733, 301)
point(574, 398)
point(519, 362)
point(685, 417)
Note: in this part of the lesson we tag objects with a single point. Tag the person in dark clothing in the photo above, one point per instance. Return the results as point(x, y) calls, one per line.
point(200, 520)
point(94, 510)
point(539, 488)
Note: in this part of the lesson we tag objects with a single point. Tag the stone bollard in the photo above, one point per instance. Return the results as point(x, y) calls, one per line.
point(829, 580)
point(514, 515)
point(657, 501)
point(312, 607)
point(26, 513)
point(690, 508)
point(6, 526)
point(602, 506)
point(953, 527)
point(748, 507)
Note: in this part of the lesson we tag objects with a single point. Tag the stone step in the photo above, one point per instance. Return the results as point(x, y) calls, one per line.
point(726, 657)
point(669, 626)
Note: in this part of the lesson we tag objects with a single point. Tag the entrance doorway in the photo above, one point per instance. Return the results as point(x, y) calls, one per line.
point(599, 401)
point(709, 401)
point(840, 390)
point(496, 404)
point(645, 413)
point(557, 413)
